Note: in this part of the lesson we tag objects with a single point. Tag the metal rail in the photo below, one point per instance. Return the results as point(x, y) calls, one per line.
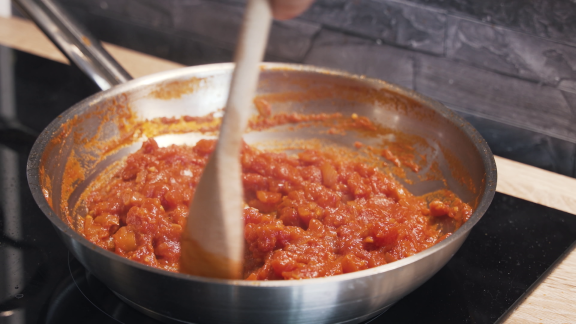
point(81, 48)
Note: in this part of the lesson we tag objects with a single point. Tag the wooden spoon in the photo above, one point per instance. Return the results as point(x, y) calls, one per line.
point(213, 240)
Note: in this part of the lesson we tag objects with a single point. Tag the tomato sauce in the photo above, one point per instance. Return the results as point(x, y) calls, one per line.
point(311, 215)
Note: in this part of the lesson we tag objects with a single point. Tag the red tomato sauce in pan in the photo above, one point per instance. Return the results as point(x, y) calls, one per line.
point(306, 216)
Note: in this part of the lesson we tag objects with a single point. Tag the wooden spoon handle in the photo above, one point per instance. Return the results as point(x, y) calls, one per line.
point(249, 54)
point(213, 241)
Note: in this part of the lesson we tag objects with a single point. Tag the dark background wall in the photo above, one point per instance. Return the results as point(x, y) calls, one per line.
point(508, 66)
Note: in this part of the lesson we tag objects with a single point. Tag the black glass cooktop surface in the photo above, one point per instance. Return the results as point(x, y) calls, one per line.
point(507, 253)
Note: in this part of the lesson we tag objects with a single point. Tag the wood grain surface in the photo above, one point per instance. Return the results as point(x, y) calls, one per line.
point(25, 36)
point(553, 301)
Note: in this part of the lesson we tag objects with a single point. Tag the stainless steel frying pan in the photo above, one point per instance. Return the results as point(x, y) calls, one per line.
point(461, 154)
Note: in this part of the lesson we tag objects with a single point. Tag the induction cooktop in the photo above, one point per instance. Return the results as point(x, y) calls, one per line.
point(506, 254)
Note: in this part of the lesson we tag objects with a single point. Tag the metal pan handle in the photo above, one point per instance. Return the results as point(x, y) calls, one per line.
point(75, 42)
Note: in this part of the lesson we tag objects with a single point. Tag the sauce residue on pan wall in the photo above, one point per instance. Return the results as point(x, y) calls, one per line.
point(175, 89)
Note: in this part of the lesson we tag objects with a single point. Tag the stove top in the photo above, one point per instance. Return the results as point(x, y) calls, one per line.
point(506, 254)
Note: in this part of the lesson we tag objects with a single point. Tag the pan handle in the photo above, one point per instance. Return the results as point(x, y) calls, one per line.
point(75, 42)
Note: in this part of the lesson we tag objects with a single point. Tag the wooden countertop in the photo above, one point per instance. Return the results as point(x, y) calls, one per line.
point(553, 301)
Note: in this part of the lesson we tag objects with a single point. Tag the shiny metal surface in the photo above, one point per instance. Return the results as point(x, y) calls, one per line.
point(75, 42)
point(348, 298)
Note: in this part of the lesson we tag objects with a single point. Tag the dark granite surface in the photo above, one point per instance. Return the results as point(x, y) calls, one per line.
point(526, 146)
point(516, 102)
point(510, 52)
point(360, 56)
point(554, 19)
point(399, 23)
